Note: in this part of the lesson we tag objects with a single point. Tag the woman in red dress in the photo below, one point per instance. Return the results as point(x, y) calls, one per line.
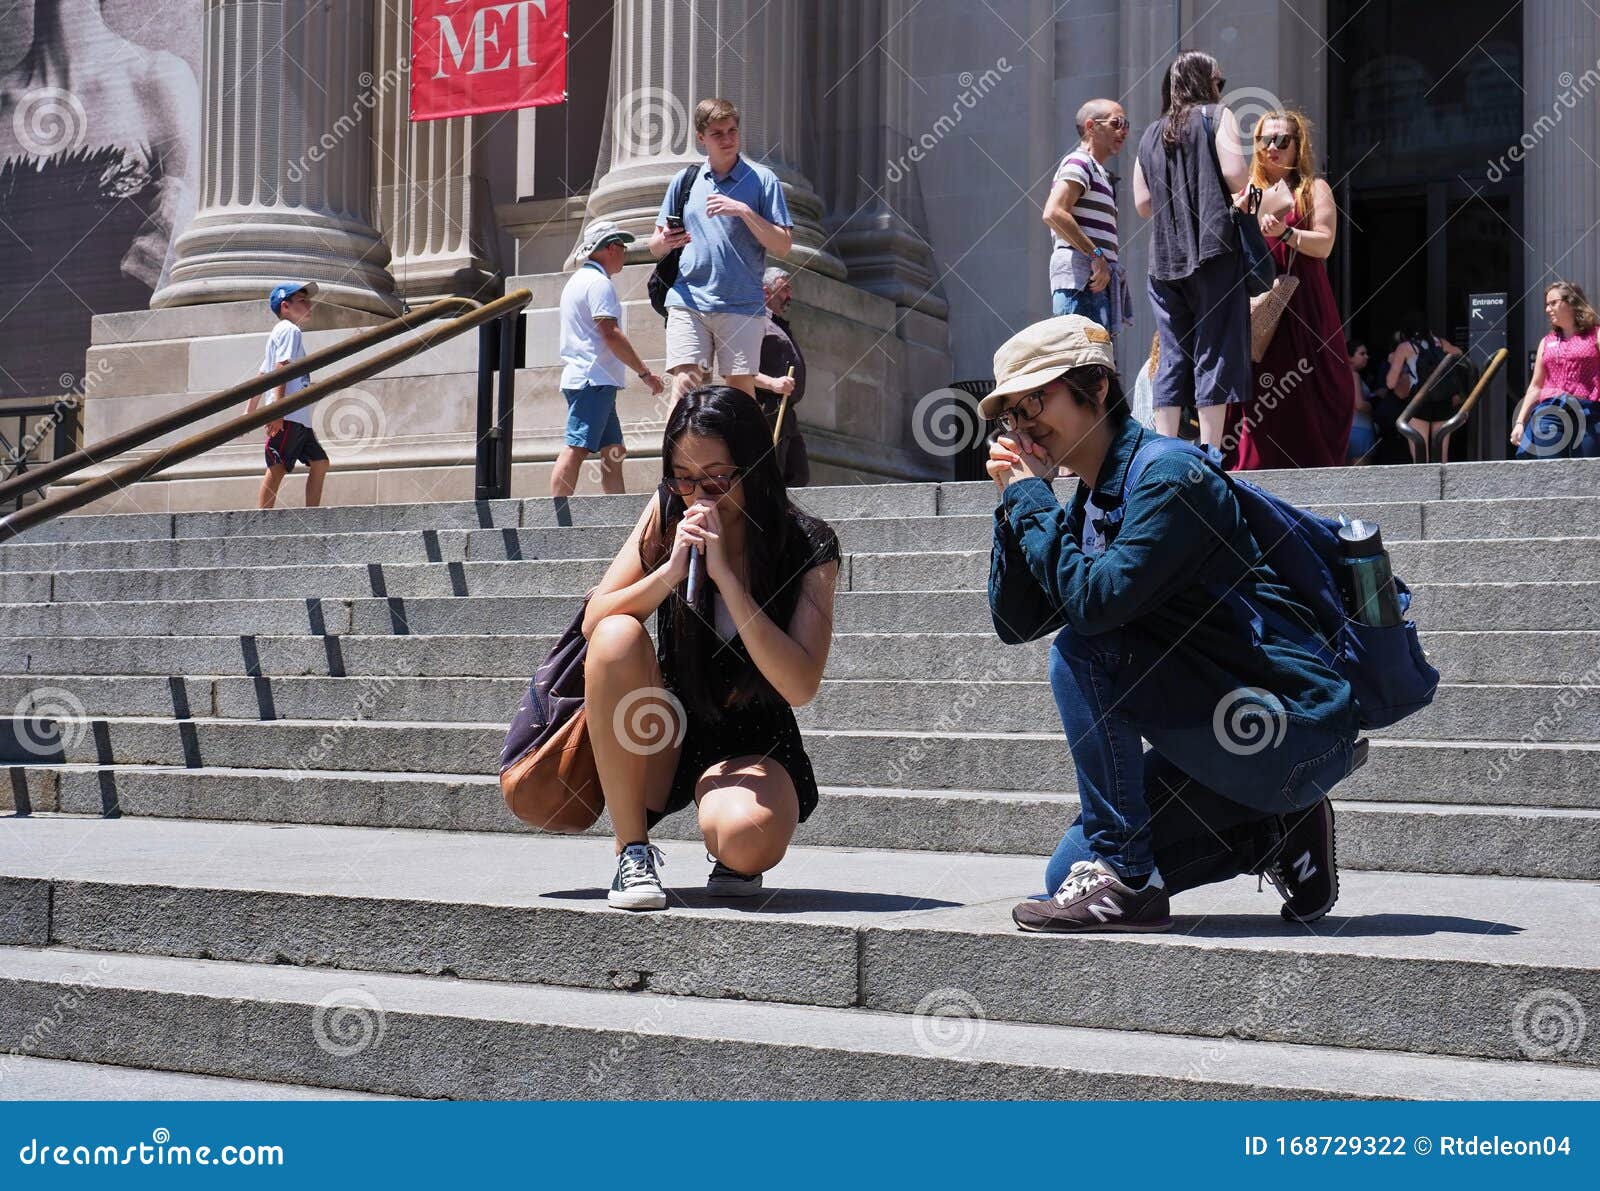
point(1301, 404)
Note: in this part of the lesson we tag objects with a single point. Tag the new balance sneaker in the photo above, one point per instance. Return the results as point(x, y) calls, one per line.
point(1094, 898)
point(637, 886)
point(1304, 868)
point(725, 882)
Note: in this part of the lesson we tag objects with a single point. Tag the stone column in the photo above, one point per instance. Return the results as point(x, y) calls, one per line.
point(670, 54)
point(432, 201)
point(875, 220)
point(286, 170)
point(1559, 146)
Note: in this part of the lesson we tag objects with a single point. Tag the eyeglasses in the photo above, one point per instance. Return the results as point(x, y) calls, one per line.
point(1025, 410)
point(1115, 123)
point(710, 485)
point(1281, 140)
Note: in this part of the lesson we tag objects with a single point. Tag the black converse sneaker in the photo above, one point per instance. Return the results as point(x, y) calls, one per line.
point(637, 885)
point(1094, 898)
point(725, 882)
point(1303, 866)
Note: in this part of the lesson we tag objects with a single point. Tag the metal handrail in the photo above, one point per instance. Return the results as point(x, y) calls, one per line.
point(1459, 418)
point(1403, 422)
point(197, 444)
point(110, 448)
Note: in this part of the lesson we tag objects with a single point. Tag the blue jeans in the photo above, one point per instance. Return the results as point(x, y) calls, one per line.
point(1561, 427)
point(1161, 809)
point(1081, 301)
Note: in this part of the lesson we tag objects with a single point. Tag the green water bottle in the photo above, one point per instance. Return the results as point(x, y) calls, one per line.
point(1366, 580)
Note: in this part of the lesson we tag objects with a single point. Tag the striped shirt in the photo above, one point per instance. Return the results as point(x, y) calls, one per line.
point(1096, 213)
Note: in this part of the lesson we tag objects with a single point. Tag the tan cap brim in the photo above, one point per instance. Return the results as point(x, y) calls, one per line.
point(1024, 382)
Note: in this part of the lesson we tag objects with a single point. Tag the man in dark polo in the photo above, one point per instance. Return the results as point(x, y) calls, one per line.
point(779, 353)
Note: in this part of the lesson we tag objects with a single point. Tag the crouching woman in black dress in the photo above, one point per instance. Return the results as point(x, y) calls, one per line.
point(705, 714)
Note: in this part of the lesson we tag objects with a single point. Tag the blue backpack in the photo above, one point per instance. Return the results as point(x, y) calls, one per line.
point(1387, 671)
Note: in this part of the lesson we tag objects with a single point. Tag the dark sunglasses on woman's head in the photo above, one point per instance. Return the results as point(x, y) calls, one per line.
point(710, 485)
point(1281, 140)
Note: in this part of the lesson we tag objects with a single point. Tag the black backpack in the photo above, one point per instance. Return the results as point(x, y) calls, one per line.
point(665, 275)
point(1429, 355)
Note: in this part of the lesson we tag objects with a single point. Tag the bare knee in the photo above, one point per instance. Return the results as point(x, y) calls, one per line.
point(617, 640)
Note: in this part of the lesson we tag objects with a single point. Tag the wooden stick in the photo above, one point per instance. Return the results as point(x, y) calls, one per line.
point(783, 406)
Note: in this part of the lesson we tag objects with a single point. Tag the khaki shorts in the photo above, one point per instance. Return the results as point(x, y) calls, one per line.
point(732, 341)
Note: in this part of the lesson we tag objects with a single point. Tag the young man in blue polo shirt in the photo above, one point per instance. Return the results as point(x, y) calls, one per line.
point(734, 216)
point(594, 354)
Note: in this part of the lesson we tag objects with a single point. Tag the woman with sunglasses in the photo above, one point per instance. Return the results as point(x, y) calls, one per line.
point(704, 715)
point(1301, 402)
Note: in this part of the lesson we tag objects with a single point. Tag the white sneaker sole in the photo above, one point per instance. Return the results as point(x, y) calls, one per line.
point(637, 899)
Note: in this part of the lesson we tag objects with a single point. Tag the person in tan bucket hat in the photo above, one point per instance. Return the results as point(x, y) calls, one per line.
point(1143, 576)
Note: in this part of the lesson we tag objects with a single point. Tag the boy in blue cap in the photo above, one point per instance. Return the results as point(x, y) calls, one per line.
point(290, 439)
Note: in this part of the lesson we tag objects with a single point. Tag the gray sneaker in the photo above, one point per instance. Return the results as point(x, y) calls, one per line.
point(725, 882)
point(637, 885)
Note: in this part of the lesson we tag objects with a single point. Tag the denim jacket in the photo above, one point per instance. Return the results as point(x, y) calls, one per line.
point(1153, 592)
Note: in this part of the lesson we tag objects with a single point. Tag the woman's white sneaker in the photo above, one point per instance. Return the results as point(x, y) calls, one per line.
point(637, 885)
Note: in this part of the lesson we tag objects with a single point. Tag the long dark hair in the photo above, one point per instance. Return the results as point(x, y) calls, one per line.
point(1190, 82)
point(779, 542)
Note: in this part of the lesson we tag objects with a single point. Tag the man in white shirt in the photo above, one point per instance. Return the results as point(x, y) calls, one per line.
point(595, 351)
point(290, 439)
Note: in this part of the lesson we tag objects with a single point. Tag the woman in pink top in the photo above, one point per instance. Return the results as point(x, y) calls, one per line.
point(1560, 415)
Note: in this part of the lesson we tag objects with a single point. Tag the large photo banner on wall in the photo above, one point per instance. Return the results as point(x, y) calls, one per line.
point(470, 56)
point(99, 143)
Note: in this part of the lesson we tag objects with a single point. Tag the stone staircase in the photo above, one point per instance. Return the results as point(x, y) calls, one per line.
point(259, 837)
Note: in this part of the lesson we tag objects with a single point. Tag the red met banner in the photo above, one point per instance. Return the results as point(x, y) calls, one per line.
point(470, 56)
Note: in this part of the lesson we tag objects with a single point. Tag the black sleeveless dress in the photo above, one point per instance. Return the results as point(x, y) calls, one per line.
point(763, 726)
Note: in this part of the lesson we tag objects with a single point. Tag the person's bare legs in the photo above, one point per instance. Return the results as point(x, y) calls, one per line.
point(268, 496)
point(633, 728)
point(1168, 419)
point(564, 479)
point(317, 472)
point(748, 812)
point(685, 378)
point(1213, 423)
point(611, 460)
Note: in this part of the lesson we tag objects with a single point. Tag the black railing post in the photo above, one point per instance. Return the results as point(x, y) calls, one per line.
point(484, 483)
point(508, 381)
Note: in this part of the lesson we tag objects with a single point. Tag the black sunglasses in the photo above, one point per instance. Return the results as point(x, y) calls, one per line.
point(710, 485)
point(1280, 140)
